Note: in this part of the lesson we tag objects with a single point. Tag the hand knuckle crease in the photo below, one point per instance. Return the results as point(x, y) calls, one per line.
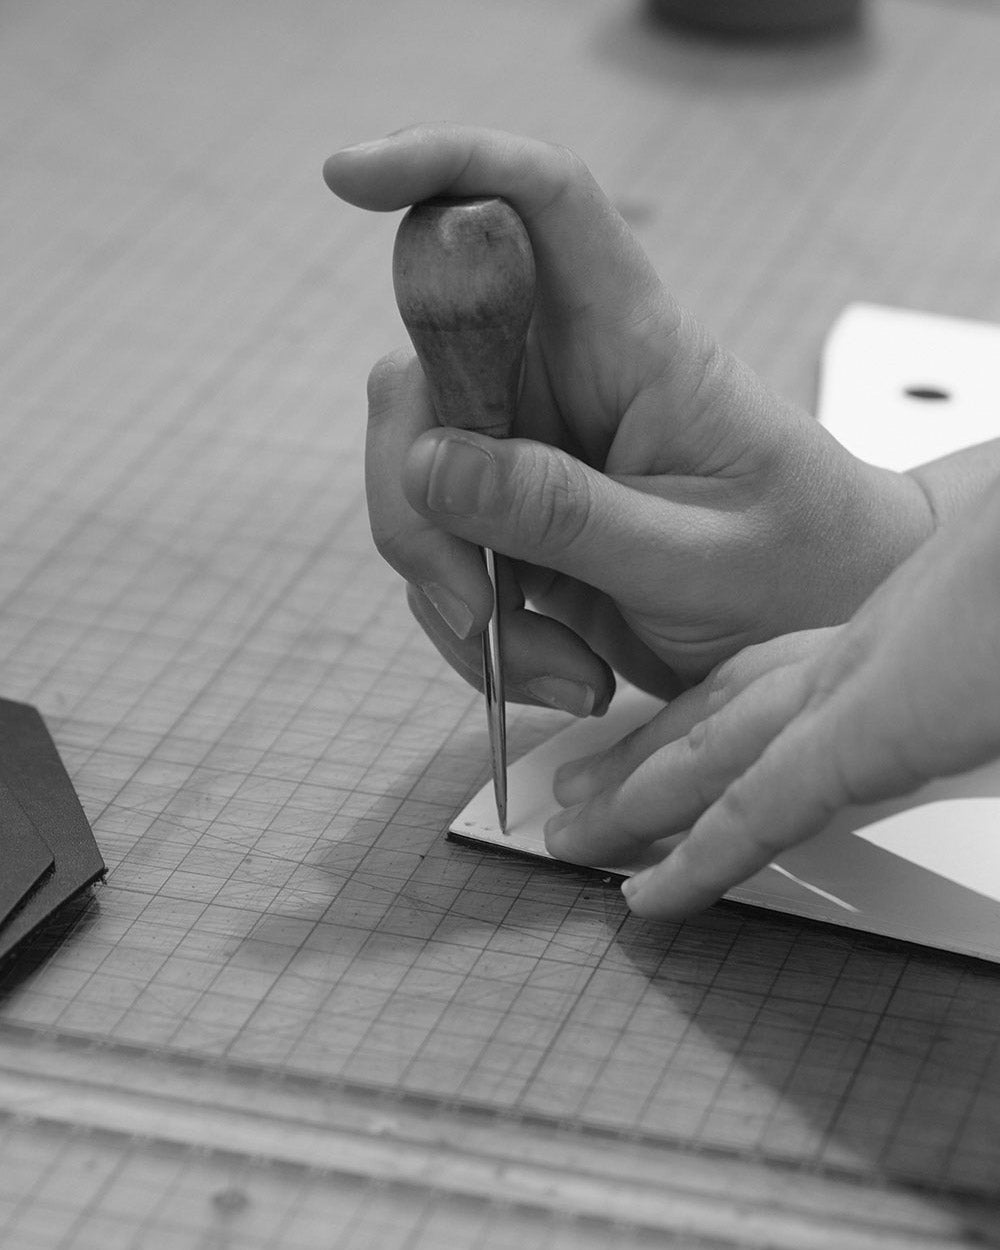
point(563, 506)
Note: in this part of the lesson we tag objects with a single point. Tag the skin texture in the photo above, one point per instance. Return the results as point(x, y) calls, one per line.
point(822, 625)
point(661, 507)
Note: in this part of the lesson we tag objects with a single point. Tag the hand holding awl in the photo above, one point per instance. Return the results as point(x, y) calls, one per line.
point(464, 277)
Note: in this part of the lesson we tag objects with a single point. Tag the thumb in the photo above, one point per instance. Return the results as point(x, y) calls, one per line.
point(536, 503)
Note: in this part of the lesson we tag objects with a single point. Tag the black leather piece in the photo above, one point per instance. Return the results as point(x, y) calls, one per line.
point(24, 857)
point(40, 788)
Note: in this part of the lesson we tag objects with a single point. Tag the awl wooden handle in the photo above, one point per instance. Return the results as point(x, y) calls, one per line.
point(464, 277)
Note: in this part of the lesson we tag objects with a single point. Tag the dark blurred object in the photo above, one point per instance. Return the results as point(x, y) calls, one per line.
point(48, 855)
point(763, 18)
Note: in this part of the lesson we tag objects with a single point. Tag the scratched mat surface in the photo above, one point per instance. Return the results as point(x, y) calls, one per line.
point(266, 748)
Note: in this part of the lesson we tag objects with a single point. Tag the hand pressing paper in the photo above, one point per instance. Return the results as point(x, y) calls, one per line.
point(47, 851)
point(898, 388)
point(922, 869)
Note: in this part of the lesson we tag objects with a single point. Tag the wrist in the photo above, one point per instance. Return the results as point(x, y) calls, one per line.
point(857, 522)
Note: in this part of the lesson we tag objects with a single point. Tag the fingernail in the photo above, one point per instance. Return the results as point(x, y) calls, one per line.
point(461, 478)
point(562, 819)
point(369, 145)
point(455, 614)
point(563, 694)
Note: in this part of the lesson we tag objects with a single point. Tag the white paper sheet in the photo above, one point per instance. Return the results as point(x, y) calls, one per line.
point(925, 869)
point(883, 367)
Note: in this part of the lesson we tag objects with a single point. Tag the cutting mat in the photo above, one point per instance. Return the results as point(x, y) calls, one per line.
point(297, 1016)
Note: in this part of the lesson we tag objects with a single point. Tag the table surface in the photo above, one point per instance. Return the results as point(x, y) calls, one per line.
point(295, 1015)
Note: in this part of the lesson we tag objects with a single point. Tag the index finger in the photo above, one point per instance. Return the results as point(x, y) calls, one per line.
point(586, 255)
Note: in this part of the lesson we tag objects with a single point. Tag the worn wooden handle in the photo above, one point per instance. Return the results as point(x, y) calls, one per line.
point(464, 277)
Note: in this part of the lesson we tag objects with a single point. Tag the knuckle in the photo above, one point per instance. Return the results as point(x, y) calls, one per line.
point(400, 543)
point(725, 679)
point(561, 168)
point(701, 738)
point(554, 503)
point(385, 380)
point(735, 674)
point(389, 543)
point(572, 165)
